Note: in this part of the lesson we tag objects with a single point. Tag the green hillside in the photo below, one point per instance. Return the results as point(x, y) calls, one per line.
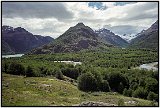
point(49, 91)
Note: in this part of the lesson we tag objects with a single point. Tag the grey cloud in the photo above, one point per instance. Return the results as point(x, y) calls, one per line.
point(140, 12)
point(124, 29)
point(35, 10)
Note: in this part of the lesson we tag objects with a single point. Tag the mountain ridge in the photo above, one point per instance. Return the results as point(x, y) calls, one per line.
point(76, 38)
point(109, 37)
point(146, 38)
point(19, 40)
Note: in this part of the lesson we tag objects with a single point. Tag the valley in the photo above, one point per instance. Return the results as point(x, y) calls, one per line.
point(42, 80)
point(80, 54)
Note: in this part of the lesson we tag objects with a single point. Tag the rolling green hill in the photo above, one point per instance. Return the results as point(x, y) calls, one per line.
point(49, 91)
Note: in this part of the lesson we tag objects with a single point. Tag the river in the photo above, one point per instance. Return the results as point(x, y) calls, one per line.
point(15, 55)
point(149, 66)
point(70, 62)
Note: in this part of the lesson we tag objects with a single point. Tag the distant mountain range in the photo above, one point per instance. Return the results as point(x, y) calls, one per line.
point(128, 37)
point(146, 38)
point(77, 38)
point(111, 38)
point(19, 40)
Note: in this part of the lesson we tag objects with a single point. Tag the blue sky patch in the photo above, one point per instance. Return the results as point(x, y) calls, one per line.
point(122, 3)
point(98, 5)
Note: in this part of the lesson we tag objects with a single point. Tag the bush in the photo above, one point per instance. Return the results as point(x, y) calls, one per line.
point(152, 96)
point(127, 92)
point(98, 78)
point(118, 82)
point(152, 85)
point(70, 72)
point(87, 82)
point(140, 92)
point(105, 86)
point(121, 102)
point(30, 72)
point(5, 67)
point(16, 69)
point(155, 75)
point(43, 71)
point(120, 87)
point(59, 75)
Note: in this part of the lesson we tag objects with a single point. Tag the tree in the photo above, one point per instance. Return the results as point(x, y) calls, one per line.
point(16, 69)
point(140, 92)
point(5, 67)
point(152, 85)
point(43, 70)
point(105, 86)
point(152, 96)
point(87, 82)
point(59, 75)
point(118, 82)
point(127, 92)
point(30, 72)
point(70, 72)
point(98, 78)
point(120, 87)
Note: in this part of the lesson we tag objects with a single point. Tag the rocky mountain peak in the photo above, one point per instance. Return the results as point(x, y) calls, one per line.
point(6, 28)
point(80, 24)
point(154, 26)
point(20, 29)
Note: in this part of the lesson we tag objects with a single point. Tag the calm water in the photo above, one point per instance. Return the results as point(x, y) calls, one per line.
point(9, 56)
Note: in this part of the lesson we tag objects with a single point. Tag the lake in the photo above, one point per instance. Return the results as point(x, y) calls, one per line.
point(15, 55)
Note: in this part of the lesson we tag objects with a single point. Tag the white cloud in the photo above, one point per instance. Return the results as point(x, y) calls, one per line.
point(136, 16)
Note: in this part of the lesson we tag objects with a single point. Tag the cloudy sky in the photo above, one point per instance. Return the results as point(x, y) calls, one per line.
point(54, 18)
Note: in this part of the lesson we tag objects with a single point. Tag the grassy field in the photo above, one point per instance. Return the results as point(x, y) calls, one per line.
point(49, 91)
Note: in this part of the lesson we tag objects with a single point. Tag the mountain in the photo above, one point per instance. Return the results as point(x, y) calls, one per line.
point(146, 38)
point(128, 37)
point(111, 38)
point(6, 49)
point(77, 38)
point(19, 40)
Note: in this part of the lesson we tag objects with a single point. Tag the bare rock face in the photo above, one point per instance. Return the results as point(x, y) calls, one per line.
point(92, 103)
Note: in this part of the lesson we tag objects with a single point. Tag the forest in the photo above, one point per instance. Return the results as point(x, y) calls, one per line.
point(112, 70)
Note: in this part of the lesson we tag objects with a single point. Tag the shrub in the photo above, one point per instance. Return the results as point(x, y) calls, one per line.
point(152, 96)
point(155, 75)
point(5, 67)
point(30, 72)
point(105, 86)
point(16, 69)
point(59, 75)
point(121, 102)
point(98, 78)
point(118, 82)
point(120, 87)
point(152, 85)
point(87, 82)
point(133, 85)
point(127, 92)
point(70, 72)
point(43, 70)
point(140, 92)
